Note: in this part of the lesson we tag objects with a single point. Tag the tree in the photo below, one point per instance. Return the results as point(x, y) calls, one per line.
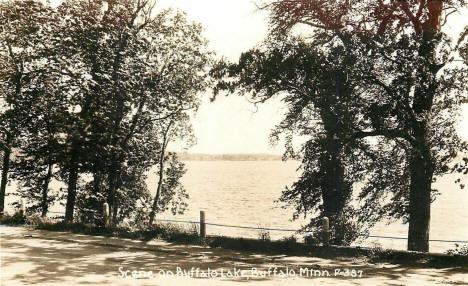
point(175, 74)
point(34, 165)
point(39, 145)
point(318, 87)
point(169, 189)
point(143, 69)
point(87, 81)
point(173, 195)
point(21, 50)
point(400, 36)
point(139, 68)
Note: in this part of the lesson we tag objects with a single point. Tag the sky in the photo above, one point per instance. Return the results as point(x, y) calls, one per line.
point(231, 124)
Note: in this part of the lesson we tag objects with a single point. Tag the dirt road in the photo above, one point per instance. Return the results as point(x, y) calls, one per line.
point(31, 257)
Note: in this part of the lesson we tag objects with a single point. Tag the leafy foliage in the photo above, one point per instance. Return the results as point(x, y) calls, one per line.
point(86, 85)
point(377, 78)
point(458, 250)
point(173, 194)
point(317, 86)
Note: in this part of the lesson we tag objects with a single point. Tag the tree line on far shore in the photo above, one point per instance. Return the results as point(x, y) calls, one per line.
point(184, 156)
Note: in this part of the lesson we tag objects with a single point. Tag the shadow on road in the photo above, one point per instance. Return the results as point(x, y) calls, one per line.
point(35, 257)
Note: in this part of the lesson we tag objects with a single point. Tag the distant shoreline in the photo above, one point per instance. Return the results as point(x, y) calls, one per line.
point(184, 156)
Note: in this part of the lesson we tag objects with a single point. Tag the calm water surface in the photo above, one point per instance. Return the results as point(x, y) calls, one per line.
point(244, 193)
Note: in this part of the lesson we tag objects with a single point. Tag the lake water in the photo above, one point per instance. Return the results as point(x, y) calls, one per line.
point(243, 193)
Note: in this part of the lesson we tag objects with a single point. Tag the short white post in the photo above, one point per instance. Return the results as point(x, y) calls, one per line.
point(106, 214)
point(326, 231)
point(202, 225)
point(21, 207)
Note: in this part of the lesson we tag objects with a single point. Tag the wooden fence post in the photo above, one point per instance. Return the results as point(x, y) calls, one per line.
point(326, 231)
point(21, 207)
point(106, 214)
point(202, 225)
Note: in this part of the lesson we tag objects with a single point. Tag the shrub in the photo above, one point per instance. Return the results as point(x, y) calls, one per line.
point(17, 218)
point(263, 234)
point(458, 250)
point(345, 229)
point(377, 252)
point(289, 244)
point(311, 240)
point(75, 227)
point(176, 233)
point(35, 219)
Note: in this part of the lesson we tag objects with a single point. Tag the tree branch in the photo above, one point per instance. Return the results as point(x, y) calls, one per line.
point(416, 22)
point(389, 133)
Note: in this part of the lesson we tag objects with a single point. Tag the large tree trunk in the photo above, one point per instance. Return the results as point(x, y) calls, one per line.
point(333, 191)
point(72, 182)
point(419, 205)
point(5, 170)
point(45, 191)
point(114, 179)
point(115, 211)
point(113, 198)
point(421, 167)
point(112, 193)
point(97, 180)
point(421, 171)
